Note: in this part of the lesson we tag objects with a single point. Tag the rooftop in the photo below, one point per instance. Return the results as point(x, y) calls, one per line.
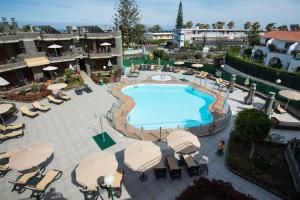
point(291, 36)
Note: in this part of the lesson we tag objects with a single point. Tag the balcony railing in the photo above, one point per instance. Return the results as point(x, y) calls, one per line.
point(15, 64)
point(102, 35)
point(65, 57)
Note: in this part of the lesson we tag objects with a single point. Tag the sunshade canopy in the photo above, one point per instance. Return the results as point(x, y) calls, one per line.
point(33, 62)
point(54, 46)
point(94, 166)
point(290, 94)
point(71, 67)
point(57, 86)
point(183, 142)
point(109, 63)
point(50, 68)
point(142, 155)
point(3, 82)
point(197, 65)
point(105, 44)
point(4, 108)
point(31, 156)
point(179, 63)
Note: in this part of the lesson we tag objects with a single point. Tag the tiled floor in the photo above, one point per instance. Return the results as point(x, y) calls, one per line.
point(70, 127)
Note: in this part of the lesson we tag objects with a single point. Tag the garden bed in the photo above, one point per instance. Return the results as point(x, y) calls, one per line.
point(268, 168)
point(205, 189)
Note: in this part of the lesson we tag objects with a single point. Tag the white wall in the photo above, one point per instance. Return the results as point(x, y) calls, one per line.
point(294, 65)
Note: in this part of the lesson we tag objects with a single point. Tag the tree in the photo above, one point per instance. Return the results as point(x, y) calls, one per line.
point(253, 34)
point(270, 27)
point(189, 24)
point(247, 25)
point(230, 25)
point(160, 53)
point(179, 19)
point(220, 25)
point(155, 29)
point(27, 28)
point(283, 28)
point(127, 15)
point(206, 26)
point(214, 26)
point(252, 125)
point(138, 33)
point(255, 26)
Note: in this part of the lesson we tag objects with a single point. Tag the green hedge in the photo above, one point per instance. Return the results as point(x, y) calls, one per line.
point(288, 79)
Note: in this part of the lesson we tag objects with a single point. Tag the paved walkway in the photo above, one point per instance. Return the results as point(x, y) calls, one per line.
point(70, 128)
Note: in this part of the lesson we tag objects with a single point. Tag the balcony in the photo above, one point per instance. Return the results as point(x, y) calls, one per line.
point(66, 56)
point(12, 64)
point(102, 35)
point(55, 37)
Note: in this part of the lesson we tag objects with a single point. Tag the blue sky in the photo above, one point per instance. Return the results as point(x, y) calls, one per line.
point(161, 12)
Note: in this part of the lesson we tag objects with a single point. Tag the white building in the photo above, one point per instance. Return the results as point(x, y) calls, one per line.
point(159, 36)
point(279, 48)
point(209, 36)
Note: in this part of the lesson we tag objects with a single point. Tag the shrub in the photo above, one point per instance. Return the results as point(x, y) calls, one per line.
point(69, 73)
point(198, 56)
point(22, 92)
point(34, 88)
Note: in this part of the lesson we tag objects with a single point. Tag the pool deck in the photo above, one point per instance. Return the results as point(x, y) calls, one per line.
point(70, 127)
point(128, 104)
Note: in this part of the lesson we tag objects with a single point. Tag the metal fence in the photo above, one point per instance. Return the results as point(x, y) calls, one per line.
point(159, 131)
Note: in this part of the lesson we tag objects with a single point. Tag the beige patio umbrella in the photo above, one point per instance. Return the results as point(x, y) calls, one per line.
point(57, 86)
point(179, 63)
point(31, 156)
point(141, 156)
point(197, 65)
point(183, 142)
point(94, 166)
point(290, 95)
point(3, 82)
point(4, 108)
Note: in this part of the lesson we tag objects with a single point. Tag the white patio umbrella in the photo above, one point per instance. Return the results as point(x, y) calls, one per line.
point(54, 46)
point(197, 65)
point(4, 108)
point(141, 156)
point(31, 156)
point(105, 44)
point(3, 82)
point(290, 95)
point(179, 63)
point(109, 64)
point(183, 142)
point(57, 86)
point(50, 69)
point(71, 67)
point(94, 166)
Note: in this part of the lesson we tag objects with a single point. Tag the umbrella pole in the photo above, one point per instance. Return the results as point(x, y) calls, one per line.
point(287, 104)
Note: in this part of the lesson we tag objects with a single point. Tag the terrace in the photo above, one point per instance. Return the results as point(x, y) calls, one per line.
point(70, 127)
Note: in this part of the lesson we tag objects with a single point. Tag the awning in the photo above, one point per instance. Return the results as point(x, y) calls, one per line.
point(33, 62)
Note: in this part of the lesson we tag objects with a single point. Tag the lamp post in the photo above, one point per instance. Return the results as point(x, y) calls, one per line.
point(108, 181)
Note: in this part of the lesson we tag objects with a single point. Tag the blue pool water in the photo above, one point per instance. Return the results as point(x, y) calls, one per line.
point(168, 106)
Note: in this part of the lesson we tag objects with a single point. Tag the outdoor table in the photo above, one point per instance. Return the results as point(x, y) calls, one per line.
point(172, 162)
point(190, 162)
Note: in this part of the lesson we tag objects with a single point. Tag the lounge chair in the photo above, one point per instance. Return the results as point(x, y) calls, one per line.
point(117, 184)
point(13, 134)
point(285, 125)
point(11, 127)
point(78, 90)
point(176, 70)
point(4, 169)
point(87, 89)
point(8, 154)
point(204, 75)
point(160, 170)
point(219, 83)
point(191, 165)
point(54, 100)
point(63, 96)
point(278, 108)
point(189, 72)
point(174, 168)
point(90, 192)
point(25, 111)
point(152, 68)
point(38, 190)
point(37, 106)
point(20, 183)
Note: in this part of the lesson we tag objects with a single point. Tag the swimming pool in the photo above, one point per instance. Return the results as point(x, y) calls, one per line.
point(168, 106)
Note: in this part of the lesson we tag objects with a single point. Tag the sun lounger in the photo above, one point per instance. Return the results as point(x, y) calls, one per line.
point(219, 83)
point(285, 125)
point(63, 96)
point(90, 192)
point(54, 100)
point(20, 183)
point(11, 127)
point(4, 169)
point(38, 190)
point(174, 168)
point(152, 67)
point(160, 170)
point(13, 134)
point(25, 111)
point(8, 154)
point(278, 108)
point(37, 106)
point(87, 89)
point(189, 72)
point(117, 184)
point(204, 75)
point(191, 165)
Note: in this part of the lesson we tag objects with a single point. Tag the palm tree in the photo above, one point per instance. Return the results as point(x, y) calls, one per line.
point(27, 28)
point(230, 25)
point(189, 24)
point(270, 27)
point(220, 25)
point(256, 26)
point(283, 28)
point(214, 26)
point(247, 25)
point(206, 26)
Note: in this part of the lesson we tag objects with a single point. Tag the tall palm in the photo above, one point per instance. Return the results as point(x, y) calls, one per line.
point(230, 25)
point(27, 28)
point(220, 25)
point(247, 25)
point(256, 26)
point(206, 26)
point(189, 24)
point(270, 27)
point(283, 28)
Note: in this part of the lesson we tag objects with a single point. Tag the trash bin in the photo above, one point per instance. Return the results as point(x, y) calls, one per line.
point(101, 82)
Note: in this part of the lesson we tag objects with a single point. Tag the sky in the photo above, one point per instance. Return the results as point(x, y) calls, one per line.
point(161, 12)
